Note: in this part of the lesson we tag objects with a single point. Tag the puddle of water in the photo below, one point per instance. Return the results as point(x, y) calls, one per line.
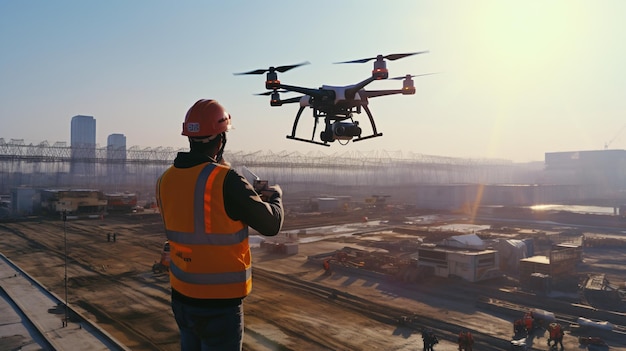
point(575, 209)
point(462, 228)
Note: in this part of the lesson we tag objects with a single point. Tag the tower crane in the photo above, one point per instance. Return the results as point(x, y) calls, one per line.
point(606, 145)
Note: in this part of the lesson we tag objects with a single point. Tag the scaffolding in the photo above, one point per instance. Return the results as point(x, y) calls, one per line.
point(136, 169)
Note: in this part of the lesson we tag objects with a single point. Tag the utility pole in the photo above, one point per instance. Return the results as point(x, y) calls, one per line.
point(65, 279)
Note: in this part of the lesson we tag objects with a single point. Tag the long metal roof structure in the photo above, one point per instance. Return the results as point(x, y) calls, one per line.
point(60, 151)
point(53, 164)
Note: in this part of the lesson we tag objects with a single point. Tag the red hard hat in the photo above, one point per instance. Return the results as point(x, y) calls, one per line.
point(206, 118)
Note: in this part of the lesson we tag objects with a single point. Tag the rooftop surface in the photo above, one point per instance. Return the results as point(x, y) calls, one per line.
point(32, 318)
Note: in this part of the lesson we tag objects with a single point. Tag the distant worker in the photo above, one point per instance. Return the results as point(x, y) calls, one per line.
point(108, 237)
point(466, 341)
point(114, 236)
point(556, 334)
point(206, 208)
point(430, 339)
point(519, 328)
point(529, 321)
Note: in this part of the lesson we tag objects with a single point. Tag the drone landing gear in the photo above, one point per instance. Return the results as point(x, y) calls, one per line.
point(368, 137)
point(336, 130)
point(307, 140)
point(295, 126)
point(371, 118)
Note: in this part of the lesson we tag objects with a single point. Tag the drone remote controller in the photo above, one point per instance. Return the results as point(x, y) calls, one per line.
point(260, 185)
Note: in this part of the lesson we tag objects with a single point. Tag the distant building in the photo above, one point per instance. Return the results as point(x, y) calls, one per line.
point(539, 273)
point(602, 173)
point(472, 265)
point(116, 155)
point(77, 202)
point(25, 201)
point(83, 144)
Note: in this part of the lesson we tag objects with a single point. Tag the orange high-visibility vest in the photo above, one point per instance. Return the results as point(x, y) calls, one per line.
point(528, 320)
point(555, 330)
point(209, 252)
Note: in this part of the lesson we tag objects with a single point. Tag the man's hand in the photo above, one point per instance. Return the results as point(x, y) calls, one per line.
point(270, 191)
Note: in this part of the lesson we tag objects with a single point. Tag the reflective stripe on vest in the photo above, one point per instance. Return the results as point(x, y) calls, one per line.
point(211, 278)
point(208, 239)
point(195, 278)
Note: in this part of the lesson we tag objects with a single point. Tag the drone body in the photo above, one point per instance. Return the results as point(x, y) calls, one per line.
point(336, 105)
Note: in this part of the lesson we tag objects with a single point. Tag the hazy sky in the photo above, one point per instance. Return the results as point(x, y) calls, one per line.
point(515, 79)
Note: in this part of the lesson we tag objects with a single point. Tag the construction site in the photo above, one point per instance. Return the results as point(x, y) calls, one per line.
point(361, 262)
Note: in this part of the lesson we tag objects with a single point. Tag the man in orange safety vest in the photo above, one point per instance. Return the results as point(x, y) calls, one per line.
point(206, 207)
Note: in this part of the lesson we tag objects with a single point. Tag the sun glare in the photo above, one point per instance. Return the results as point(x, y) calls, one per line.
point(523, 37)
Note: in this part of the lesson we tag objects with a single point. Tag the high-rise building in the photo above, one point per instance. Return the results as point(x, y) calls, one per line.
point(116, 155)
point(83, 143)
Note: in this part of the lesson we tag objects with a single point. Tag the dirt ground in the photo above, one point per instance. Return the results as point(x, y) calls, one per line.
point(294, 305)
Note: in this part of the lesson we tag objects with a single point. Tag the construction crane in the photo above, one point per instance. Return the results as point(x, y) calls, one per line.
point(606, 145)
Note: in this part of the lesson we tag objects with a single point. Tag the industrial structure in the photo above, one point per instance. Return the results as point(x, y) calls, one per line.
point(48, 165)
point(85, 201)
point(469, 264)
point(466, 257)
point(539, 273)
point(76, 202)
point(603, 172)
point(425, 181)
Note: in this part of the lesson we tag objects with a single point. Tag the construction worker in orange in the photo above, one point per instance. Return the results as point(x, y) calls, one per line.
point(327, 267)
point(556, 334)
point(466, 341)
point(529, 320)
point(206, 207)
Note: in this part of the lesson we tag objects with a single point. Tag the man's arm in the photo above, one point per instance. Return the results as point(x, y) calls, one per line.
point(244, 204)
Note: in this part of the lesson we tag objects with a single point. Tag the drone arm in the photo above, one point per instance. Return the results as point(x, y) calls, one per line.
point(291, 100)
point(316, 93)
point(376, 93)
point(351, 92)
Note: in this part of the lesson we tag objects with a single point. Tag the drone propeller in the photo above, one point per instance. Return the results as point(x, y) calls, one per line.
point(411, 76)
point(390, 57)
point(280, 69)
point(268, 93)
